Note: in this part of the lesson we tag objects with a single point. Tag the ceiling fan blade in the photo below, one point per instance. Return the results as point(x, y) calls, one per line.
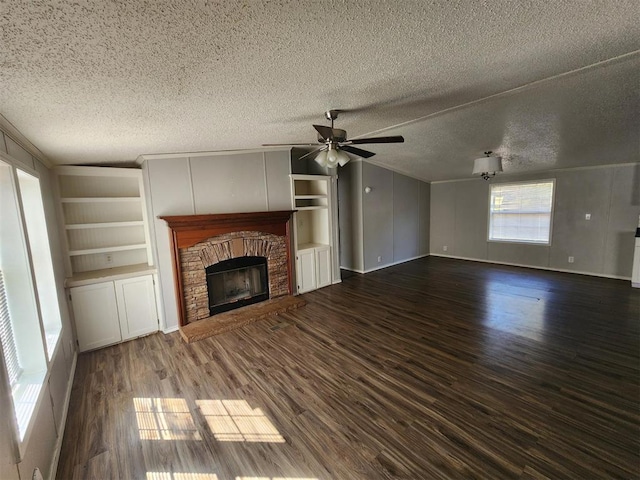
point(392, 139)
point(357, 151)
point(289, 144)
point(324, 131)
point(312, 152)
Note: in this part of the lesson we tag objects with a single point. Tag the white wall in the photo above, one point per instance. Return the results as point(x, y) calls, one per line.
point(221, 183)
point(43, 446)
point(601, 246)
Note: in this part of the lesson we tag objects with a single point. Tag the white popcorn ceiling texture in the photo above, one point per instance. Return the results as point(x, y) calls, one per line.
point(91, 81)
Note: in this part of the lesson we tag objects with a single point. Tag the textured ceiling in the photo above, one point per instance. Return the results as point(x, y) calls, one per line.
point(106, 81)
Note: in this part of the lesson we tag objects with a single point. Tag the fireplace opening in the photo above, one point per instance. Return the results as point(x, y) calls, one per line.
point(237, 282)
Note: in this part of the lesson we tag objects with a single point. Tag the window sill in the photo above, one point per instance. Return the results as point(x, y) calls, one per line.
point(520, 242)
point(51, 339)
point(26, 394)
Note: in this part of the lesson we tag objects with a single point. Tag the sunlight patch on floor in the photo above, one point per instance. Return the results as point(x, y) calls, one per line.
point(505, 304)
point(165, 419)
point(210, 476)
point(180, 476)
point(275, 478)
point(236, 421)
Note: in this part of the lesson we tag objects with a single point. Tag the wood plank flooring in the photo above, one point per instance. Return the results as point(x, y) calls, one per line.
point(226, 321)
point(437, 368)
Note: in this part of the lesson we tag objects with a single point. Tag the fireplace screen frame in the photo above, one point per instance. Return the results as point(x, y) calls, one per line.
point(235, 264)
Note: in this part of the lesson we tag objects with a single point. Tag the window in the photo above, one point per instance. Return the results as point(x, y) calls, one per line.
point(36, 224)
point(21, 325)
point(521, 212)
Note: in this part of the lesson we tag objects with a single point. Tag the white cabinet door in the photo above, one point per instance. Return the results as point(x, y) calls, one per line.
point(96, 315)
point(323, 266)
point(136, 306)
point(306, 270)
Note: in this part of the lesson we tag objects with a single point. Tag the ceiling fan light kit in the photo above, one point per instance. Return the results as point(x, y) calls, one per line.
point(487, 166)
point(336, 146)
point(332, 157)
point(321, 158)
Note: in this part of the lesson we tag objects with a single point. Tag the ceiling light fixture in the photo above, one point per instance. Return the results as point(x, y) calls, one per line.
point(332, 157)
point(321, 158)
point(487, 166)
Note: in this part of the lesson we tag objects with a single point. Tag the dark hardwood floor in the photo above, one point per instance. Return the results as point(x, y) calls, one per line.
point(436, 368)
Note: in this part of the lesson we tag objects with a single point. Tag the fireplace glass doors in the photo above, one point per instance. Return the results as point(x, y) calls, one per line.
point(237, 282)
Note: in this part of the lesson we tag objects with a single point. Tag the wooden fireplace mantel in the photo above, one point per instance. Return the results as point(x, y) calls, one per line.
point(187, 230)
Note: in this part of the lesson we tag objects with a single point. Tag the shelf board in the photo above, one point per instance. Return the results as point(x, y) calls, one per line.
point(108, 274)
point(309, 197)
point(308, 246)
point(82, 226)
point(120, 248)
point(314, 207)
point(99, 199)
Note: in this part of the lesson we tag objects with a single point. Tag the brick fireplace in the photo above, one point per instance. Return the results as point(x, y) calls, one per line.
point(202, 241)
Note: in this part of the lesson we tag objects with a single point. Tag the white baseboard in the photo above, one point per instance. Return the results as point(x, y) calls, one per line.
point(170, 329)
point(395, 263)
point(604, 275)
point(352, 269)
point(63, 423)
point(386, 265)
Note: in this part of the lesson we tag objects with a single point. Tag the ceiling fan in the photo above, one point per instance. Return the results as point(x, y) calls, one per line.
point(335, 144)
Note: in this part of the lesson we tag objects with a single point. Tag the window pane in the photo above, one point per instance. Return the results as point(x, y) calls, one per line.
point(521, 212)
point(41, 257)
point(7, 338)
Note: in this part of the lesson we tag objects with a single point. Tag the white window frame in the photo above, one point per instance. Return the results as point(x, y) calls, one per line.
point(41, 262)
point(523, 242)
point(22, 393)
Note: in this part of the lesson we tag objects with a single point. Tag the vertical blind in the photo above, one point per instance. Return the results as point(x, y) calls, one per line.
point(6, 337)
point(521, 212)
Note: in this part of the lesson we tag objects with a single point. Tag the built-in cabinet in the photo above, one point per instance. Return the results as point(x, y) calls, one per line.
point(314, 249)
point(114, 311)
point(109, 264)
point(313, 267)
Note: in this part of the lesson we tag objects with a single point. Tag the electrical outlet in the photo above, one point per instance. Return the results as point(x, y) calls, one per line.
point(587, 216)
point(108, 259)
point(571, 259)
point(445, 248)
point(379, 258)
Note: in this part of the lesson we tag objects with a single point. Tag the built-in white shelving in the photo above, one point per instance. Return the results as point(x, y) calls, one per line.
point(312, 231)
point(104, 218)
point(110, 273)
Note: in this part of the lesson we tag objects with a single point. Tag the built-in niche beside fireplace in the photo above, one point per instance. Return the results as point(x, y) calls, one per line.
point(225, 261)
